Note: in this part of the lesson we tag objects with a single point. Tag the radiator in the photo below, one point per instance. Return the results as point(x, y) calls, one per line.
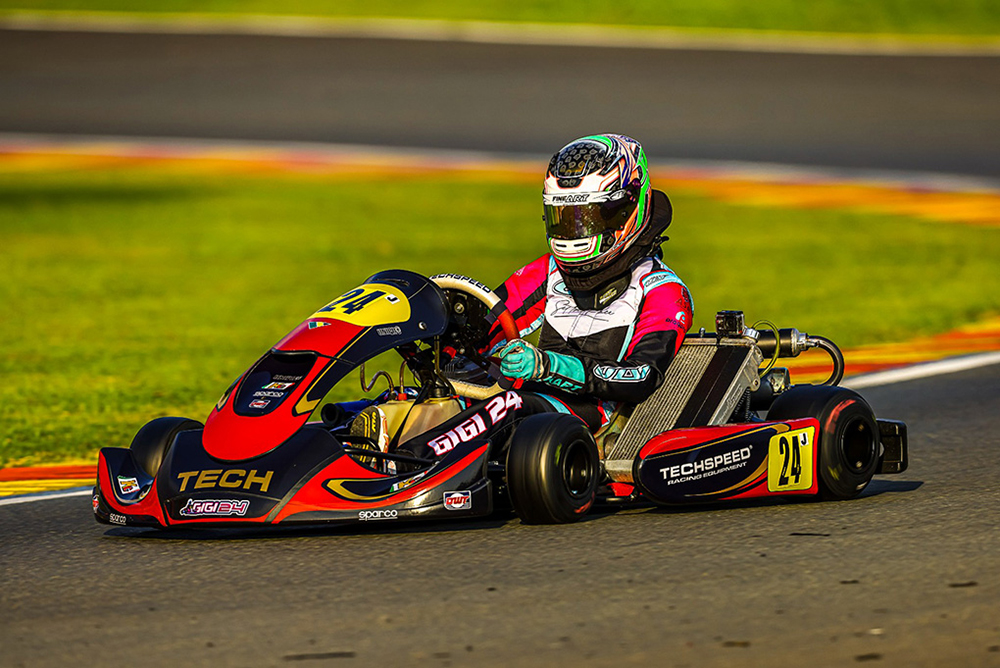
point(702, 386)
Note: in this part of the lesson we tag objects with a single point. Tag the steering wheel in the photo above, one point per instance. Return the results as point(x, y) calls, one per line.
point(470, 328)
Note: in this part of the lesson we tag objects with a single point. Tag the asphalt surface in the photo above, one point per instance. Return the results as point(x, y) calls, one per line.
point(921, 113)
point(906, 575)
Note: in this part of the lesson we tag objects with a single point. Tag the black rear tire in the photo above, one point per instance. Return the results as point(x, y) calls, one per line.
point(552, 469)
point(849, 444)
point(149, 446)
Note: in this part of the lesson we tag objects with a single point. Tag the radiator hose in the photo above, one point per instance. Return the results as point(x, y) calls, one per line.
point(790, 342)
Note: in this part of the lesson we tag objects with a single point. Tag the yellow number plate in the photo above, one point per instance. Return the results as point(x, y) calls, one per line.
point(367, 305)
point(790, 460)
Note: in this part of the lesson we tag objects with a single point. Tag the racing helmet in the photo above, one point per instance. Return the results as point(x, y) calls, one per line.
point(597, 204)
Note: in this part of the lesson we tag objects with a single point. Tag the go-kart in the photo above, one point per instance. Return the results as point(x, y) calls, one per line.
point(270, 454)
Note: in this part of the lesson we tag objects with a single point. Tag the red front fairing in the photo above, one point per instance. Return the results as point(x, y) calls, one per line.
point(114, 507)
point(259, 461)
point(706, 464)
point(307, 479)
point(276, 396)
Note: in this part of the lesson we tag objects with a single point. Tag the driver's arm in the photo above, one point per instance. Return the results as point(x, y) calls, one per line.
point(665, 316)
point(524, 296)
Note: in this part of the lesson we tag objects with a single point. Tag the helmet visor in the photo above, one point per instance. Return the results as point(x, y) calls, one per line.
point(576, 221)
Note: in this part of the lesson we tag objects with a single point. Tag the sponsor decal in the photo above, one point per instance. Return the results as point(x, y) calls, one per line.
point(562, 383)
point(316, 324)
point(494, 411)
point(392, 299)
point(116, 518)
point(259, 403)
point(658, 278)
point(286, 379)
point(366, 515)
point(215, 508)
point(278, 386)
point(395, 330)
point(466, 431)
point(790, 461)
point(96, 502)
point(269, 393)
point(458, 500)
point(681, 317)
point(608, 294)
point(228, 479)
point(128, 485)
point(709, 466)
point(622, 374)
point(580, 198)
point(465, 279)
point(574, 199)
point(685, 300)
point(403, 484)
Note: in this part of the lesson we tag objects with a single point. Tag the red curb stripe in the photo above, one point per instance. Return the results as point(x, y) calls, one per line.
point(47, 473)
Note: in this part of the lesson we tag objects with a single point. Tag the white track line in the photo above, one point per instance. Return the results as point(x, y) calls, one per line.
point(926, 370)
point(507, 33)
point(46, 496)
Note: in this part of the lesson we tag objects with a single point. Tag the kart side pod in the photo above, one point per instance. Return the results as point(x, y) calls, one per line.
point(696, 440)
point(731, 461)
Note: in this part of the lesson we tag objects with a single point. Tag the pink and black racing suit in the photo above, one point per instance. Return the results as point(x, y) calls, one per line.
point(618, 353)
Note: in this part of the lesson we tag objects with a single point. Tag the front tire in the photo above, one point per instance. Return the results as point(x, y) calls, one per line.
point(149, 446)
point(849, 442)
point(552, 469)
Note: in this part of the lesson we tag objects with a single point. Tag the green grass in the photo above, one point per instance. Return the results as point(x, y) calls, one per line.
point(958, 17)
point(129, 295)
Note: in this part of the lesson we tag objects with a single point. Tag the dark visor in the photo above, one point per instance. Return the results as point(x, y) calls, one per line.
point(588, 220)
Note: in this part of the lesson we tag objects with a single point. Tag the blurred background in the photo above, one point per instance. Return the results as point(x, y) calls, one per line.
point(182, 182)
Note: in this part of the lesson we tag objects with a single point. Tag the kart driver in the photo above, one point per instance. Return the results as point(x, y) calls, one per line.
point(612, 314)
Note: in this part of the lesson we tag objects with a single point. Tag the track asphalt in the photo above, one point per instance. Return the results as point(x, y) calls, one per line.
point(906, 575)
point(918, 113)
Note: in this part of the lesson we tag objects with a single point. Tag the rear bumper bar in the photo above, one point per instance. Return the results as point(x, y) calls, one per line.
point(895, 458)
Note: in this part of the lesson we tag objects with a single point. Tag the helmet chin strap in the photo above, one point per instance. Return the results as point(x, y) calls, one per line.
point(602, 295)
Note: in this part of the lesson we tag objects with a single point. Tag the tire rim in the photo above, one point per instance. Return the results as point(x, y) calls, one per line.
point(857, 444)
point(577, 469)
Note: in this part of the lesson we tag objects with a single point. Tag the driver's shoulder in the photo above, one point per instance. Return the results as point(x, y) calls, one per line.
point(538, 266)
point(534, 273)
point(651, 274)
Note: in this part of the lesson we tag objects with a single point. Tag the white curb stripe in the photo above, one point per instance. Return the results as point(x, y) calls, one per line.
point(45, 496)
point(926, 370)
point(508, 33)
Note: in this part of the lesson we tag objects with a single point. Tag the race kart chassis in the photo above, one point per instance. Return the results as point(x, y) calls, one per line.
point(260, 461)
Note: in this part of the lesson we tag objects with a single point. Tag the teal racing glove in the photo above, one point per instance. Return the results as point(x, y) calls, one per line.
point(520, 359)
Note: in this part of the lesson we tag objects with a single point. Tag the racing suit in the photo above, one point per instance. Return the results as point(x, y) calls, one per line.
point(597, 358)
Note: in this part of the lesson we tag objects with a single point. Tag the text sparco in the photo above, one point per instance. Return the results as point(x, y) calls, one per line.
point(708, 464)
point(366, 515)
